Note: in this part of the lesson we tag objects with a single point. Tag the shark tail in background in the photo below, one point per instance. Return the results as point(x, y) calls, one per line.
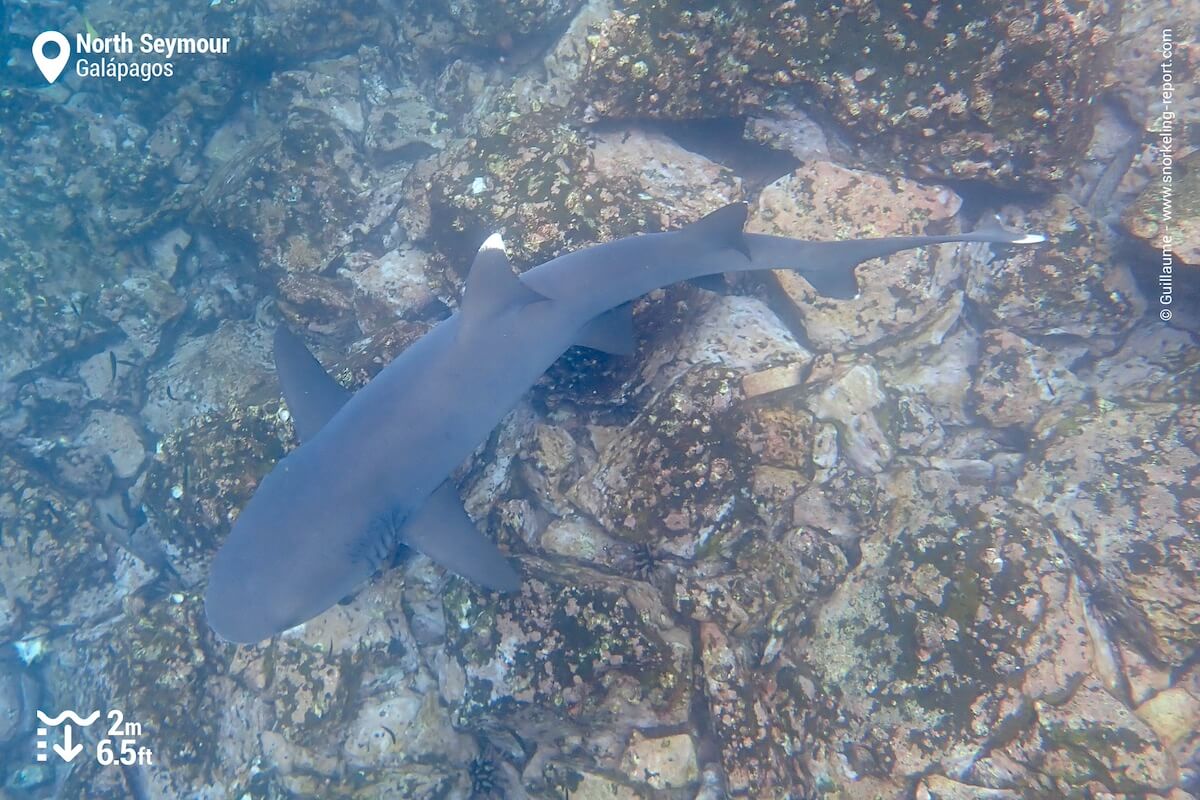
point(829, 266)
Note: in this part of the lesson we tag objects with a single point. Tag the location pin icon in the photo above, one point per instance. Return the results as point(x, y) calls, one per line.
point(51, 67)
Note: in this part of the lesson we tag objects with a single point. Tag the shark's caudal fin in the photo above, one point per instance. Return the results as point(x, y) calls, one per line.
point(723, 228)
point(312, 395)
point(611, 332)
point(442, 530)
point(829, 266)
point(492, 286)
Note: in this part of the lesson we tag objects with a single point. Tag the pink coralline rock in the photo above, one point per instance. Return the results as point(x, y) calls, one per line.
point(1122, 483)
point(1156, 363)
point(1146, 218)
point(1016, 380)
point(1069, 285)
point(960, 626)
point(683, 184)
point(1093, 741)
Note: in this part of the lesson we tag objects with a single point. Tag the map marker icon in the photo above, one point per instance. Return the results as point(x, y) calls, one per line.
point(51, 67)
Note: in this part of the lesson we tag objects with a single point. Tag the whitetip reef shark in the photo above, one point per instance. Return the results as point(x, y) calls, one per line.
point(372, 471)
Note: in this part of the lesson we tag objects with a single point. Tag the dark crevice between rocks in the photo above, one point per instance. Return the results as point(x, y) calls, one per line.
point(782, 307)
point(708, 744)
point(1109, 598)
point(981, 197)
point(1146, 264)
point(511, 53)
point(980, 319)
point(76, 353)
point(410, 153)
point(721, 140)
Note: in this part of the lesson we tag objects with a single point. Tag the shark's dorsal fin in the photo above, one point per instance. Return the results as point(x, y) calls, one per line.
point(442, 530)
point(492, 286)
point(312, 395)
point(611, 332)
point(723, 228)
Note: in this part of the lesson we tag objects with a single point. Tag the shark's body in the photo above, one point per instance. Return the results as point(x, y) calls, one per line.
point(372, 469)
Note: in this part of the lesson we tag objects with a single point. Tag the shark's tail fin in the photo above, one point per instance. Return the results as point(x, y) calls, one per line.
point(990, 230)
point(829, 266)
point(723, 228)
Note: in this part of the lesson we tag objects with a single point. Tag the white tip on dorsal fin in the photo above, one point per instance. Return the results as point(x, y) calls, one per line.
point(492, 285)
point(1030, 238)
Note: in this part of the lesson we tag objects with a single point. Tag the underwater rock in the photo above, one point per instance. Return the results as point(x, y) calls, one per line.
point(582, 540)
point(204, 473)
point(498, 23)
point(95, 170)
point(770, 588)
point(757, 750)
point(741, 333)
point(961, 624)
point(1093, 742)
point(789, 129)
point(143, 306)
point(116, 438)
point(19, 698)
point(939, 787)
point(567, 60)
point(1007, 101)
point(1143, 219)
point(286, 32)
point(155, 667)
point(1156, 363)
point(393, 285)
point(569, 780)
point(1072, 284)
point(55, 566)
point(346, 689)
point(165, 252)
point(550, 462)
point(665, 762)
point(367, 94)
point(550, 187)
point(574, 654)
point(850, 399)
point(683, 185)
point(676, 477)
point(1017, 381)
point(297, 195)
point(822, 200)
point(232, 364)
point(937, 376)
point(47, 295)
point(322, 174)
point(1138, 42)
point(1119, 483)
point(323, 304)
point(530, 176)
point(1173, 714)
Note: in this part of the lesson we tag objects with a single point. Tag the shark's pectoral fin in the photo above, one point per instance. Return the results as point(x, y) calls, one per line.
point(442, 530)
point(312, 395)
point(723, 228)
point(492, 286)
point(611, 332)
